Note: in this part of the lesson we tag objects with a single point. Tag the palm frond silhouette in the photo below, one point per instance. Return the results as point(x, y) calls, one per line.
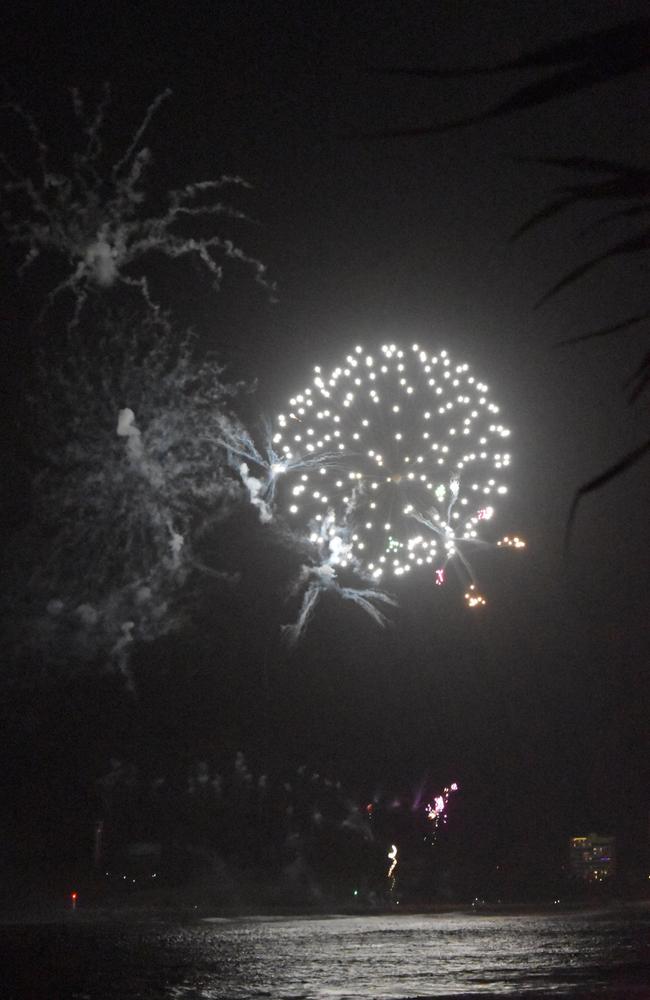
point(574, 64)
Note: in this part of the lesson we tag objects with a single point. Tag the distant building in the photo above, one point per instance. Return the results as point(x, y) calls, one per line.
point(593, 858)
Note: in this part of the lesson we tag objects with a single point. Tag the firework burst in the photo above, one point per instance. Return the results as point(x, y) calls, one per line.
point(417, 461)
point(127, 429)
point(94, 218)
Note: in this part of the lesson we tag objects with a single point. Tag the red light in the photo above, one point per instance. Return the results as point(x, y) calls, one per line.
point(73, 895)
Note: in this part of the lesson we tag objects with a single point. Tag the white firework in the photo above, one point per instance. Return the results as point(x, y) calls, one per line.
point(101, 221)
point(422, 461)
point(126, 427)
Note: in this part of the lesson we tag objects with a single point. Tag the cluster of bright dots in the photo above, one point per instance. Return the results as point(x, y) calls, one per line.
point(436, 810)
point(514, 543)
point(473, 598)
point(396, 457)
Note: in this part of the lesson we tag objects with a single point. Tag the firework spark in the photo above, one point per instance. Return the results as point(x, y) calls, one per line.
point(322, 577)
point(436, 811)
point(512, 543)
point(95, 218)
point(420, 460)
point(473, 599)
point(390, 874)
point(127, 430)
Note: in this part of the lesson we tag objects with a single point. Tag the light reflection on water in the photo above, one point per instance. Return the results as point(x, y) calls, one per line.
point(579, 955)
point(426, 956)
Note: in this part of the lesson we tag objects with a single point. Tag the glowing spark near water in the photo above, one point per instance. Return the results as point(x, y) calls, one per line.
point(415, 447)
point(392, 857)
point(390, 874)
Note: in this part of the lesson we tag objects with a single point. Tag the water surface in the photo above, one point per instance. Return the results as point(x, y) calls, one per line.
point(579, 955)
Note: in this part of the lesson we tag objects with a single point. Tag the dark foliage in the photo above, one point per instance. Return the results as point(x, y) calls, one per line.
point(575, 64)
point(579, 63)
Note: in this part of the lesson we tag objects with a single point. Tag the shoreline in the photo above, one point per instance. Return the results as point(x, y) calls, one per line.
point(49, 914)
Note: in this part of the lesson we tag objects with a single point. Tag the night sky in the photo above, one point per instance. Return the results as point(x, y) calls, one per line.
point(537, 705)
